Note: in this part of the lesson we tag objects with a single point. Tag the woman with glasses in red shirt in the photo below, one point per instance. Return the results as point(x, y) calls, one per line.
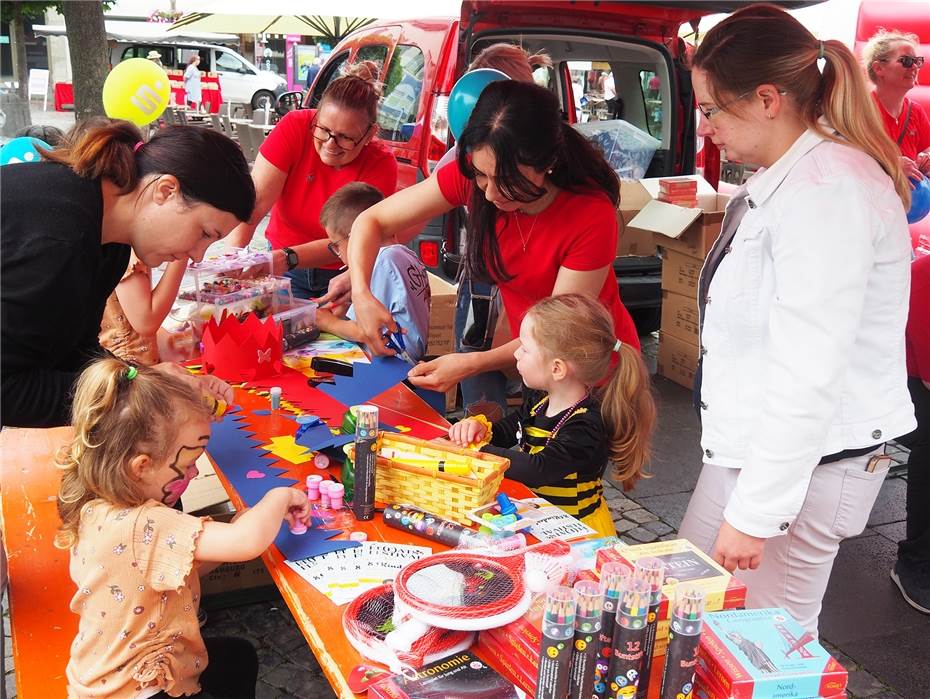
point(309, 155)
point(892, 62)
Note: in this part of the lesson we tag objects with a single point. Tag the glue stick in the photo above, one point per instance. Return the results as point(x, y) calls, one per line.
point(275, 393)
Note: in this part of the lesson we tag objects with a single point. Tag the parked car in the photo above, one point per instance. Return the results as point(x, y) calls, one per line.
point(637, 43)
point(240, 80)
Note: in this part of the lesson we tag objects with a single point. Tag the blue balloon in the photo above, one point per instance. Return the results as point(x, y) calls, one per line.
point(465, 94)
point(920, 200)
point(22, 150)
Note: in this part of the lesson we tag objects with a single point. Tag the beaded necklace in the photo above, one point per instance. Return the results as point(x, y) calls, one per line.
point(568, 413)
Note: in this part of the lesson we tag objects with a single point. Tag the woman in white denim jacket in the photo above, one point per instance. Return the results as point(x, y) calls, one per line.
point(803, 306)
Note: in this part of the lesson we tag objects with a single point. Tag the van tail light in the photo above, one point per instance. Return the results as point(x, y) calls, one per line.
point(429, 253)
point(438, 130)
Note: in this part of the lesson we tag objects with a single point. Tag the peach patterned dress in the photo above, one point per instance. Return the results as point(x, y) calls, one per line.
point(137, 598)
point(117, 334)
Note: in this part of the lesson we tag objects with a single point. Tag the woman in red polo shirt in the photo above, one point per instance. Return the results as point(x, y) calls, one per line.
point(892, 62)
point(542, 221)
point(308, 156)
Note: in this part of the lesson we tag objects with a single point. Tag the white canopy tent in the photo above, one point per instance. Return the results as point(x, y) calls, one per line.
point(315, 18)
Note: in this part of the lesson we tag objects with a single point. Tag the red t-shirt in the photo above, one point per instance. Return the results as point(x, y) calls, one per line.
point(917, 335)
point(295, 216)
point(916, 133)
point(577, 231)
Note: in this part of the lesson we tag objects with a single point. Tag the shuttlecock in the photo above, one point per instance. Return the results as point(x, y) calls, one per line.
point(543, 570)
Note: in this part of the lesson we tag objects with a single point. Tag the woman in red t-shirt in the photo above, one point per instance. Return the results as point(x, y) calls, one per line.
point(307, 157)
point(542, 221)
point(892, 62)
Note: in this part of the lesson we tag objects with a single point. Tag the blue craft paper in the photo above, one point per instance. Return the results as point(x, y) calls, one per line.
point(434, 399)
point(315, 542)
point(236, 453)
point(367, 381)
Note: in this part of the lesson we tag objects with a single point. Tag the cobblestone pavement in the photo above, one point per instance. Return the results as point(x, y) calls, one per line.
point(289, 669)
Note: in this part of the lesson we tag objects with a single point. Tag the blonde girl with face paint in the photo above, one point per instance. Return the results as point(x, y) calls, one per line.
point(135, 559)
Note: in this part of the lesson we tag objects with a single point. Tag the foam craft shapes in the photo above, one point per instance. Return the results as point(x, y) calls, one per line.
point(920, 200)
point(296, 390)
point(286, 448)
point(235, 454)
point(465, 94)
point(255, 474)
point(136, 90)
point(367, 380)
point(243, 350)
point(22, 150)
point(314, 542)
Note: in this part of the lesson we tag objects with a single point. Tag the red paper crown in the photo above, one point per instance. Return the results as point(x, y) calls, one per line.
point(242, 350)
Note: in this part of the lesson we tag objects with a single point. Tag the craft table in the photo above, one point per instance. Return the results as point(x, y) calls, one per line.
point(41, 588)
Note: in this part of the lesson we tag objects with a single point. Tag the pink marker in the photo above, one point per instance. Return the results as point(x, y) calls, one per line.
point(299, 528)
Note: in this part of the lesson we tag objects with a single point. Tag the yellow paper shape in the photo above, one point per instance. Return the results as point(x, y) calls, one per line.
point(286, 448)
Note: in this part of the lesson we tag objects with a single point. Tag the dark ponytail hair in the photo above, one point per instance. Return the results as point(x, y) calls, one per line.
point(522, 124)
point(209, 167)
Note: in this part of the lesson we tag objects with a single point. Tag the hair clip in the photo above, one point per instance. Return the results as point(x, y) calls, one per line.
point(131, 373)
point(617, 346)
point(820, 55)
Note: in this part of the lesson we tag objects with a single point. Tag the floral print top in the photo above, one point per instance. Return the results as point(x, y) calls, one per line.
point(137, 599)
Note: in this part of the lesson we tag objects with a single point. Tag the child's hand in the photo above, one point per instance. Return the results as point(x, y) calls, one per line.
point(298, 510)
point(467, 432)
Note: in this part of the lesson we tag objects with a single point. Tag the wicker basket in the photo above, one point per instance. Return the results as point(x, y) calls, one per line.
point(444, 494)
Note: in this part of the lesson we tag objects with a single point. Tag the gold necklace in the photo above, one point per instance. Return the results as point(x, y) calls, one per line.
point(525, 241)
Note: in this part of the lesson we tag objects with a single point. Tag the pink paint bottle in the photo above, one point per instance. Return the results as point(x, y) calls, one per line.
point(336, 492)
point(313, 487)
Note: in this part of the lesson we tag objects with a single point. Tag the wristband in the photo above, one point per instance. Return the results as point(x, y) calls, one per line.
point(290, 258)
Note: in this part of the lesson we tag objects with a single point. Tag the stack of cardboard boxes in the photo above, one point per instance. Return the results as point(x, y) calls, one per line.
point(685, 235)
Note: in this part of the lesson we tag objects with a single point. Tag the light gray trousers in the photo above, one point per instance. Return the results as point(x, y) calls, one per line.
point(795, 566)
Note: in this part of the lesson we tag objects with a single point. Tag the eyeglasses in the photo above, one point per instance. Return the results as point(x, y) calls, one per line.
point(322, 134)
point(708, 113)
point(333, 246)
point(908, 61)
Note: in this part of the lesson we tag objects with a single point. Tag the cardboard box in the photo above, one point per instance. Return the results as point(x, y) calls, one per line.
point(680, 317)
point(766, 654)
point(441, 316)
point(633, 241)
point(688, 231)
point(230, 577)
point(677, 360)
point(681, 274)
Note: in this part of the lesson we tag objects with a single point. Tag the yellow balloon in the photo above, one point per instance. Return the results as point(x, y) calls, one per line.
point(136, 90)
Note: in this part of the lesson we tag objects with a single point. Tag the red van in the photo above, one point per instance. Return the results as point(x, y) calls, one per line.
point(637, 43)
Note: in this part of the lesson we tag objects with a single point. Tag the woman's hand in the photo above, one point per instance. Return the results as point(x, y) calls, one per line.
point(734, 549)
point(923, 162)
point(372, 319)
point(205, 384)
point(339, 293)
point(911, 169)
point(467, 432)
point(442, 373)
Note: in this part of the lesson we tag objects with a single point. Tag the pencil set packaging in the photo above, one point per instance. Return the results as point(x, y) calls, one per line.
point(765, 654)
point(683, 562)
point(555, 652)
point(684, 638)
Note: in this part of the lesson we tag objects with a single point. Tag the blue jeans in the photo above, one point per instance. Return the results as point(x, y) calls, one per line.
point(310, 283)
point(491, 386)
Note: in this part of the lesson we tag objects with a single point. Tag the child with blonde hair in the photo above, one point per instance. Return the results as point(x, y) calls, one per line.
point(135, 560)
point(589, 403)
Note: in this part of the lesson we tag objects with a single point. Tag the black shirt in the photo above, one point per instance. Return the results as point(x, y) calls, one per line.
point(567, 470)
point(56, 278)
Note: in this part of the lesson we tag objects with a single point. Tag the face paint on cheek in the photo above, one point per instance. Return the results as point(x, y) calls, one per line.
point(174, 488)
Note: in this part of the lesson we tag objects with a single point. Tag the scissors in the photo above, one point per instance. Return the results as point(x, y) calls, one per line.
point(395, 341)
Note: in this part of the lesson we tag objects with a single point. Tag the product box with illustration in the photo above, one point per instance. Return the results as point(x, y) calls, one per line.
point(458, 675)
point(684, 562)
point(766, 654)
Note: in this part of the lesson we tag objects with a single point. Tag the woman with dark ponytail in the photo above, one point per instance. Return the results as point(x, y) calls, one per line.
point(542, 221)
point(69, 226)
